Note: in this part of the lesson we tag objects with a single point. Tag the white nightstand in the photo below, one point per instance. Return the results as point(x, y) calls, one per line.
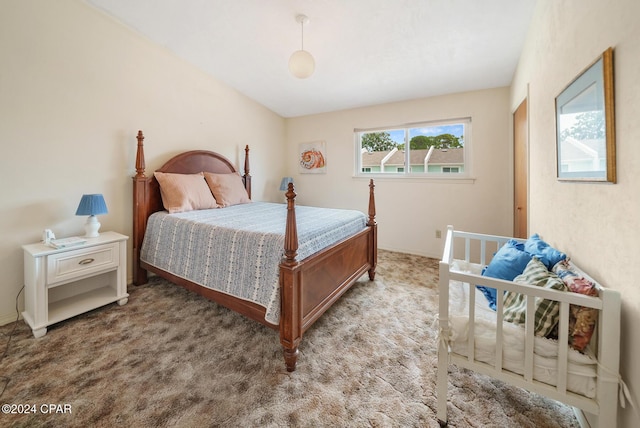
point(63, 283)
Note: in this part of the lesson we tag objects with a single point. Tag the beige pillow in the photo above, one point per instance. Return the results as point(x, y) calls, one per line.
point(228, 189)
point(184, 192)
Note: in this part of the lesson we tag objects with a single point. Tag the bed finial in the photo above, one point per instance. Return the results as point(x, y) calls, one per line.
point(372, 204)
point(291, 230)
point(140, 165)
point(246, 178)
point(246, 160)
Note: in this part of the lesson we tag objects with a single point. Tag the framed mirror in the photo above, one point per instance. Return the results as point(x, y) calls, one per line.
point(585, 128)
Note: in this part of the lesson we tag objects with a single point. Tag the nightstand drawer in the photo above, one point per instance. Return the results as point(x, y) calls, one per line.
point(81, 262)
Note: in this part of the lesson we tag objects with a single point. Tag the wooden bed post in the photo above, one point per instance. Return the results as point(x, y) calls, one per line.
point(140, 198)
point(291, 319)
point(372, 223)
point(247, 177)
point(140, 164)
point(291, 229)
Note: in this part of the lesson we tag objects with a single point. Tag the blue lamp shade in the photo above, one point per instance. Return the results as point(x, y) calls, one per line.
point(92, 205)
point(284, 184)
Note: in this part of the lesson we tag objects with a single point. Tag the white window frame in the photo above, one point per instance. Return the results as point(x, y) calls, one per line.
point(466, 174)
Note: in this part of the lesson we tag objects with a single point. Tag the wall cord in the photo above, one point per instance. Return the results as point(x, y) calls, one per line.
point(7, 379)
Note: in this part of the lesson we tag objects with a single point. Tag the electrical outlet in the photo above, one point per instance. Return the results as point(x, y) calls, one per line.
point(438, 234)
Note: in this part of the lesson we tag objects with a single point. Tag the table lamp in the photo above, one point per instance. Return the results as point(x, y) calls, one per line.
point(92, 205)
point(284, 185)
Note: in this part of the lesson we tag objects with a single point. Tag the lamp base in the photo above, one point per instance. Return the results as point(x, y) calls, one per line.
point(91, 227)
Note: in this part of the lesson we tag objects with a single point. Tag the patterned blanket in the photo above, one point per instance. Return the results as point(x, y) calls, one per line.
point(237, 250)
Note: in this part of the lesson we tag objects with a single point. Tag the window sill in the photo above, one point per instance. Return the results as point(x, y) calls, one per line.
point(416, 178)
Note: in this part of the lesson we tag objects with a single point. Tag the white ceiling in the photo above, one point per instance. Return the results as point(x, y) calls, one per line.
point(366, 51)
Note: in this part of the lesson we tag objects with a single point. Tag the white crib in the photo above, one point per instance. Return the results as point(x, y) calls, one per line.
point(593, 396)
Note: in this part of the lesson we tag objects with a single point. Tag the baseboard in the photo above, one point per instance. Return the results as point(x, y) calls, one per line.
point(581, 417)
point(406, 251)
point(9, 318)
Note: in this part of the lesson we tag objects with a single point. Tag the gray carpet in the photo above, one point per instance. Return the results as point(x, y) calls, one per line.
point(172, 358)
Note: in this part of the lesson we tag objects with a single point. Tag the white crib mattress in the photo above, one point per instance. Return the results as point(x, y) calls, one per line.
point(581, 377)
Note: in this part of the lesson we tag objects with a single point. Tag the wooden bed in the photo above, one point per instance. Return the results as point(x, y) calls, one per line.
point(307, 287)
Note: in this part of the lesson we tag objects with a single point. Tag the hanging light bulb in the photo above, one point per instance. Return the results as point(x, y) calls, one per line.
point(301, 63)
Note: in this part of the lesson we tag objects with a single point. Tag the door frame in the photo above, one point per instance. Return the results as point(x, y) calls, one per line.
point(521, 169)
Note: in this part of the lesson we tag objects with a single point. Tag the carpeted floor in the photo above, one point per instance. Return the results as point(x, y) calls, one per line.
point(172, 358)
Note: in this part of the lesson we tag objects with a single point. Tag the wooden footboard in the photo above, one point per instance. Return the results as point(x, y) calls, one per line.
point(308, 287)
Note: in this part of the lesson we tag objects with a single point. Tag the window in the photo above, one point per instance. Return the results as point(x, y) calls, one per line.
point(417, 150)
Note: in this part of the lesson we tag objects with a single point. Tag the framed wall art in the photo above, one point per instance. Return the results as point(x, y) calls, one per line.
point(312, 158)
point(585, 128)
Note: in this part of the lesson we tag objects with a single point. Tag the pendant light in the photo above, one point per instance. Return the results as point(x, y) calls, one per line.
point(301, 63)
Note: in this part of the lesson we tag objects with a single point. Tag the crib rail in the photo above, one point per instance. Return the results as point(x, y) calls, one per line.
point(480, 245)
point(479, 248)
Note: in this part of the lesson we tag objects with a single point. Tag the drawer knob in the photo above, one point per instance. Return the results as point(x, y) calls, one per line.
point(86, 261)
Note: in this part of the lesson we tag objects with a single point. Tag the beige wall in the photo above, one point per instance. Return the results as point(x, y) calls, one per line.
point(597, 224)
point(75, 87)
point(409, 211)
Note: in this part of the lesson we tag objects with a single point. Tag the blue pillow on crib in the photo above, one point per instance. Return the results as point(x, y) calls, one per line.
point(507, 263)
point(543, 251)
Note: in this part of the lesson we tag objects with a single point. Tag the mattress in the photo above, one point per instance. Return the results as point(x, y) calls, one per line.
point(237, 250)
point(582, 368)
